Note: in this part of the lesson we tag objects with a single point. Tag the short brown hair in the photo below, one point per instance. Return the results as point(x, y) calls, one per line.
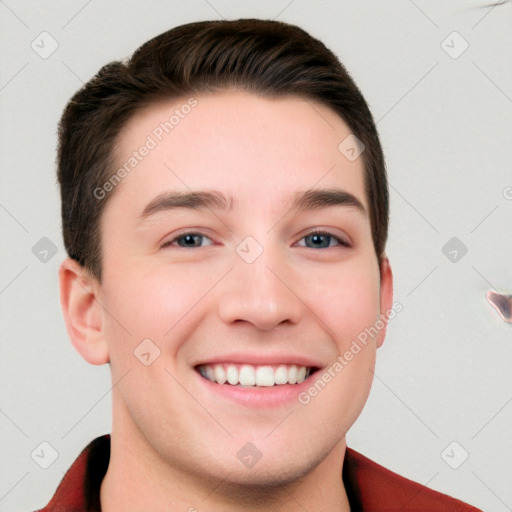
point(269, 58)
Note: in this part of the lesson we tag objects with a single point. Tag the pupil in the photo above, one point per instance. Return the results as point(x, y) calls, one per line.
point(190, 239)
point(319, 240)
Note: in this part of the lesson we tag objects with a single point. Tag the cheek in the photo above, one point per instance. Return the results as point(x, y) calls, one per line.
point(155, 303)
point(347, 300)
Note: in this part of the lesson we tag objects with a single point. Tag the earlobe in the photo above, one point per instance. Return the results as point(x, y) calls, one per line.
point(386, 297)
point(82, 312)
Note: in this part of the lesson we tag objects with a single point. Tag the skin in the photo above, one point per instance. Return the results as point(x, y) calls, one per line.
point(174, 443)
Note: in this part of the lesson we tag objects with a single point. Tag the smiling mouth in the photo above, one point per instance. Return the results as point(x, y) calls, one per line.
point(246, 375)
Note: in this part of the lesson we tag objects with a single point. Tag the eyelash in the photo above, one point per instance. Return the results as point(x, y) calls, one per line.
point(341, 241)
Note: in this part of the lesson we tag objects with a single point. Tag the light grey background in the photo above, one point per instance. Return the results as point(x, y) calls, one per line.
point(444, 372)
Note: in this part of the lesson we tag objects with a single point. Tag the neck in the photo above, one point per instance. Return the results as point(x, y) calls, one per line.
point(138, 478)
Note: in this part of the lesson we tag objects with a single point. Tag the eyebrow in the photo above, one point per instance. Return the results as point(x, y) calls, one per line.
point(313, 199)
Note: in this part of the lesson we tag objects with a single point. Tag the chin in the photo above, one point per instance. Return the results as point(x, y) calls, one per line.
point(268, 483)
point(277, 467)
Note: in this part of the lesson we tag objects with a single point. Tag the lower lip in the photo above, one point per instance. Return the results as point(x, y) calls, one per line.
point(262, 397)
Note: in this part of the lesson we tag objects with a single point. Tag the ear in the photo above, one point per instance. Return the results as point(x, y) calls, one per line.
point(83, 314)
point(386, 296)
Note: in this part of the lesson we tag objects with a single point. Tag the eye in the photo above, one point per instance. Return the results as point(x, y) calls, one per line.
point(188, 240)
point(315, 240)
point(322, 240)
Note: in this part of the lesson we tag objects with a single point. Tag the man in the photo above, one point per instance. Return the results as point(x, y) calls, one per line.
point(225, 212)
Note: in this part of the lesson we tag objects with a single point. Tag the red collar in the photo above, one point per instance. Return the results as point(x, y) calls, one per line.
point(370, 487)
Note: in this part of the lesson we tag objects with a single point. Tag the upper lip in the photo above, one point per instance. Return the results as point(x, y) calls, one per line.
point(261, 360)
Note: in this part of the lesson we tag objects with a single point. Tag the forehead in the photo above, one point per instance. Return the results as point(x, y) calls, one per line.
point(256, 149)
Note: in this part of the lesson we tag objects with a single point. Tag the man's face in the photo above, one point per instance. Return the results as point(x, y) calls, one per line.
point(246, 292)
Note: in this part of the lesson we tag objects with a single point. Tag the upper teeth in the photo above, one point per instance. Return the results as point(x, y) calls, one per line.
point(248, 375)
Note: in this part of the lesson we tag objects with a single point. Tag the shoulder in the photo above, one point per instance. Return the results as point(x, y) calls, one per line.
point(78, 490)
point(373, 488)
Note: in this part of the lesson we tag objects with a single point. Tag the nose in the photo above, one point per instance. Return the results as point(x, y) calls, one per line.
point(263, 293)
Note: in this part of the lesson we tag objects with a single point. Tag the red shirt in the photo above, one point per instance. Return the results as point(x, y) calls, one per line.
point(369, 486)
